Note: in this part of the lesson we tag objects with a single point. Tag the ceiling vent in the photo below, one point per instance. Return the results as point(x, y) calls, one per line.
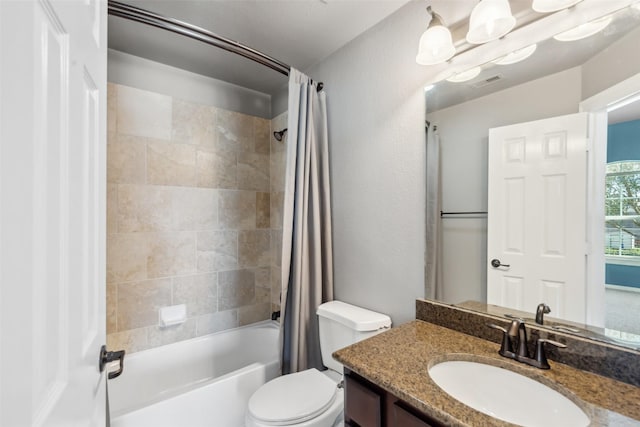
point(488, 81)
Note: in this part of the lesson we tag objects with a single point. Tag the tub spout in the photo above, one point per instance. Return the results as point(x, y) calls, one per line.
point(541, 311)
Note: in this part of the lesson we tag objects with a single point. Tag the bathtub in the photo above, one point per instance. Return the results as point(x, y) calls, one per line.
point(205, 381)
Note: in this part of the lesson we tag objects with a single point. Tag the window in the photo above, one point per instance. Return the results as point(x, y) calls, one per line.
point(622, 210)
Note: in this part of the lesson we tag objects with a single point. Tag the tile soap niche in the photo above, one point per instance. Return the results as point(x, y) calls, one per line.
point(172, 315)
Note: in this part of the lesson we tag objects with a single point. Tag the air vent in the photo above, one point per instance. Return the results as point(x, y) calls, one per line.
point(488, 81)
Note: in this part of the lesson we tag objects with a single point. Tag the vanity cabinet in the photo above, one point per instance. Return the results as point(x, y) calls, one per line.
point(367, 405)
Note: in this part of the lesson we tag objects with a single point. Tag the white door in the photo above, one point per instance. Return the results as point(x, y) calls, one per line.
point(52, 207)
point(537, 216)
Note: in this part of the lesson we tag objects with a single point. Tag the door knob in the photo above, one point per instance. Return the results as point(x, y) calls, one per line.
point(495, 263)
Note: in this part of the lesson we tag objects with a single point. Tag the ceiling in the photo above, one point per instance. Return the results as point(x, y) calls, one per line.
point(300, 33)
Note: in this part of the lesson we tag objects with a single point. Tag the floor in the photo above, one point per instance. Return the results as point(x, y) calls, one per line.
point(623, 311)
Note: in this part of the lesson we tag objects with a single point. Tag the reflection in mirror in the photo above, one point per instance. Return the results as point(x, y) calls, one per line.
point(553, 80)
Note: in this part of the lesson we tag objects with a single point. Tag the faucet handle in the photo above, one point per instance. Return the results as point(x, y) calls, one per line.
point(552, 342)
point(505, 347)
point(498, 327)
point(541, 356)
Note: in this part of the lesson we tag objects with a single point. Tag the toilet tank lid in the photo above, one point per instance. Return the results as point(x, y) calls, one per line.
point(356, 318)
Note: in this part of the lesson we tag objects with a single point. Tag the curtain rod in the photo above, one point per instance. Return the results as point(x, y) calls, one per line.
point(143, 16)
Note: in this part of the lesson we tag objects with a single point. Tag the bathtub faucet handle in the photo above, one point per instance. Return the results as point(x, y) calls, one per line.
point(111, 356)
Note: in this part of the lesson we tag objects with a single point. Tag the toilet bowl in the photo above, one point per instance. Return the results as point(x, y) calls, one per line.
point(314, 398)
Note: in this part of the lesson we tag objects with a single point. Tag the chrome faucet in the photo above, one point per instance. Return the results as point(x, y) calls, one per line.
point(515, 345)
point(541, 311)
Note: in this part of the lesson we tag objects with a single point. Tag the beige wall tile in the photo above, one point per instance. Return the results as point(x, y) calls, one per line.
point(112, 107)
point(144, 208)
point(237, 209)
point(276, 284)
point(112, 304)
point(194, 209)
point(139, 302)
point(234, 131)
point(277, 205)
point(276, 247)
point(277, 171)
point(254, 313)
point(126, 257)
point(143, 113)
point(130, 341)
point(254, 248)
point(253, 171)
point(162, 336)
point(217, 250)
point(236, 288)
point(199, 293)
point(171, 164)
point(263, 277)
point(263, 295)
point(262, 135)
point(217, 169)
point(112, 137)
point(126, 162)
point(193, 123)
point(171, 254)
point(220, 321)
point(112, 208)
point(263, 210)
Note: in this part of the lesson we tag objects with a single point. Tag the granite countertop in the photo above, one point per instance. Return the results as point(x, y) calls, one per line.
point(398, 361)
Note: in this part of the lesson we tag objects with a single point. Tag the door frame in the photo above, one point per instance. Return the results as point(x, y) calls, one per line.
point(598, 105)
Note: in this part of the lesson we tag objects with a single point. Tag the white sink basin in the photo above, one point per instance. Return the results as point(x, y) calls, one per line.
point(507, 395)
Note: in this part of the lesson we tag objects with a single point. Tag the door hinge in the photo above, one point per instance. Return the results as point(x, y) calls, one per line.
point(111, 356)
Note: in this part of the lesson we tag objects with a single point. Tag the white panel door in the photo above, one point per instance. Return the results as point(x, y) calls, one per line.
point(537, 216)
point(52, 207)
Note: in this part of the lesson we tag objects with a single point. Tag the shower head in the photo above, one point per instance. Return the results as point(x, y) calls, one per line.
point(278, 135)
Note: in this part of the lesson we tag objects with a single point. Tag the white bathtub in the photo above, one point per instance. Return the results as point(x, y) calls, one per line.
point(205, 381)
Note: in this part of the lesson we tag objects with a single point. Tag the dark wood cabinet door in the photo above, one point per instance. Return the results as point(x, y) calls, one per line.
point(363, 405)
point(406, 418)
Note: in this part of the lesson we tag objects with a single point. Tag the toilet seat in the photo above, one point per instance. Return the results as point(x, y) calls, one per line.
point(292, 399)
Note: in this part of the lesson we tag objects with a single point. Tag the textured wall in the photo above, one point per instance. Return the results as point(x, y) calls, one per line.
point(189, 217)
point(376, 110)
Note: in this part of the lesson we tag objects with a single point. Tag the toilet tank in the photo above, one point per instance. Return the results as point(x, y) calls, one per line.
point(343, 324)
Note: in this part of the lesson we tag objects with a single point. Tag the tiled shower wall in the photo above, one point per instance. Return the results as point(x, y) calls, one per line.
point(193, 214)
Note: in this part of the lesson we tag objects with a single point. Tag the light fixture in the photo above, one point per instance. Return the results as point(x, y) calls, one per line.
point(516, 55)
point(490, 20)
point(465, 75)
point(435, 46)
point(584, 30)
point(547, 6)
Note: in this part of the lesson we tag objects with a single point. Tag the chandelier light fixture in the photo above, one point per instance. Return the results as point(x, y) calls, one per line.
point(435, 45)
point(490, 20)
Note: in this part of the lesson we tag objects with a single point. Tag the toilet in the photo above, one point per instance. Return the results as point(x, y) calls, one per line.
point(313, 398)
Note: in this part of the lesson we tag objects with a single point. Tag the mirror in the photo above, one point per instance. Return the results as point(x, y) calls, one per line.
point(553, 81)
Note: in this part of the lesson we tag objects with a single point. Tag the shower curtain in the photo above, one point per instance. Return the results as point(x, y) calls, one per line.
point(307, 254)
point(433, 272)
